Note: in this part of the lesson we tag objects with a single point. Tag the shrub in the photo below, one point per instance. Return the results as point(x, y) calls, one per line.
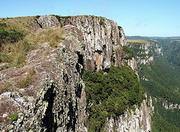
point(101, 22)
point(13, 117)
point(110, 95)
point(129, 52)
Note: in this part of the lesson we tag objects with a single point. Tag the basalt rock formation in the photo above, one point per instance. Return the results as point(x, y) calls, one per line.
point(57, 99)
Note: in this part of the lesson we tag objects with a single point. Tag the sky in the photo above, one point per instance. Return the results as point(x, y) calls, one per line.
point(137, 17)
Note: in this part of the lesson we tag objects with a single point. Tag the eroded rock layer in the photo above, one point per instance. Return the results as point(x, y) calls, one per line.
point(57, 99)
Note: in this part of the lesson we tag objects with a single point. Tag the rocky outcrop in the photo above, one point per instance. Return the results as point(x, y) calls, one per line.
point(143, 53)
point(138, 120)
point(167, 105)
point(102, 38)
point(158, 49)
point(56, 88)
point(48, 21)
point(132, 63)
point(55, 98)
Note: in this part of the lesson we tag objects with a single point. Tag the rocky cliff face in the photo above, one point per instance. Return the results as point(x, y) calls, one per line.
point(138, 120)
point(143, 52)
point(102, 38)
point(56, 98)
point(167, 105)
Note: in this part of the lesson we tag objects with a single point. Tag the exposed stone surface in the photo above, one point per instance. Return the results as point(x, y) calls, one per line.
point(58, 91)
point(132, 63)
point(133, 121)
point(145, 52)
point(55, 99)
point(122, 36)
point(48, 21)
point(103, 43)
point(167, 105)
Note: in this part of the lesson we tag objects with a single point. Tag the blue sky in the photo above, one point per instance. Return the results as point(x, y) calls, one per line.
point(137, 17)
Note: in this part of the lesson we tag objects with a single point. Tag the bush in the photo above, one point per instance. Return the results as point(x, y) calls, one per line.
point(110, 95)
point(13, 117)
point(129, 53)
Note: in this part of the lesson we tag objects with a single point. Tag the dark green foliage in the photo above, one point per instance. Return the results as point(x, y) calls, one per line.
point(129, 52)
point(161, 125)
point(37, 16)
point(9, 35)
point(120, 35)
point(171, 50)
point(109, 95)
point(13, 117)
point(163, 80)
point(165, 120)
point(171, 116)
point(101, 22)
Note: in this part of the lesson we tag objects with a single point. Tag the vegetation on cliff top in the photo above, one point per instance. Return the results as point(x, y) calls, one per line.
point(17, 38)
point(111, 94)
point(137, 41)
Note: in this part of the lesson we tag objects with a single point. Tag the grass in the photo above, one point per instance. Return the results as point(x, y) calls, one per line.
point(17, 39)
point(53, 36)
point(5, 88)
point(15, 54)
point(137, 41)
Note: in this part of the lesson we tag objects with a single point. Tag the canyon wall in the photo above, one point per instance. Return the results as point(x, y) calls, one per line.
point(58, 102)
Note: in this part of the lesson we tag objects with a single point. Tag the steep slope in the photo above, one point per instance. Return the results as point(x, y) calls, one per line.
point(160, 78)
point(45, 91)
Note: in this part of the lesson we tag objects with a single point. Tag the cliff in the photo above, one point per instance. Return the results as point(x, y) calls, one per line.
point(138, 120)
point(102, 41)
point(142, 51)
point(53, 97)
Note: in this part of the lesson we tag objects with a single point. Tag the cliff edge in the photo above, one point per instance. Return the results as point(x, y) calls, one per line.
point(53, 97)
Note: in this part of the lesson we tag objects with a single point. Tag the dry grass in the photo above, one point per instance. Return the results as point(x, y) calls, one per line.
point(5, 88)
point(137, 41)
point(20, 23)
point(15, 53)
point(52, 36)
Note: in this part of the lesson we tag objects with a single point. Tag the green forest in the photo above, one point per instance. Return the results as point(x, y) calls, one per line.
point(162, 82)
point(111, 94)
